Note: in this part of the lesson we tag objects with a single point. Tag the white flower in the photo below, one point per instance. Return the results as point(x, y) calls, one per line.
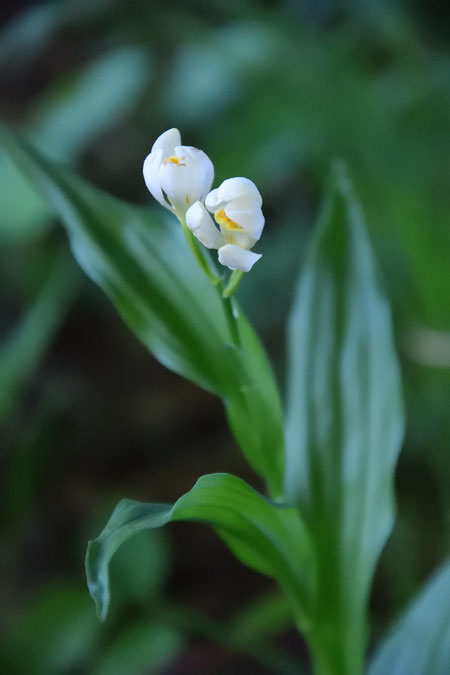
point(177, 175)
point(236, 206)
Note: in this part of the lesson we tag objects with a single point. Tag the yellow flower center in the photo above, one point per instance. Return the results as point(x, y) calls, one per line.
point(226, 222)
point(172, 160)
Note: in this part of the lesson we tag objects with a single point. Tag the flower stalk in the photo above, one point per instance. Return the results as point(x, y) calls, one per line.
point(199, 255)
point(231, 316)
point(233, 282)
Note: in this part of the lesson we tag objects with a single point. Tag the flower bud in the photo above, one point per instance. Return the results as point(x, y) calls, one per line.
point(236, 206)
point(177, 175)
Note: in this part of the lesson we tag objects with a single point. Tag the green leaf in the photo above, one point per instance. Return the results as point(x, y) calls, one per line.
point(23, 212)
point(139, 570)
point(143, 263)
point(141, 648)
point(420, 642)
point(32, 30)
point(70, 114)
point(267, 537)
point(345, 422)
point(260, 620)
point(23, 350)
point(55, 633)
point(66, 119)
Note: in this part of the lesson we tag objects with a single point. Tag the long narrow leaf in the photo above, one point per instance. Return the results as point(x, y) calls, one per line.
point(345, 422)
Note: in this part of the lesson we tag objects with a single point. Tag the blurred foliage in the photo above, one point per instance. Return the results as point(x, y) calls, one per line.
point(419, 642)
point(270, 90)
point(62, 634)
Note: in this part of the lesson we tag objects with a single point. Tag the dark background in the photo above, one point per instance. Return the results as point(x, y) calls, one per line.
point(272, 91)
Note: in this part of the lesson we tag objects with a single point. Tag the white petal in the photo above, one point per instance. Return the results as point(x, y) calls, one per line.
point(247, 214)
point(207, 168)
point(232, 188)
point(167, 142)
point(150, 170)
point(202, 225)
point(176, 181)
point(237, 258)
point(184, 180)
point(202, 171)
point(212, 200)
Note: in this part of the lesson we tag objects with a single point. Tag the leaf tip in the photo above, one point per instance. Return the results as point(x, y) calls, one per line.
point(97, 580)
point(341, 178)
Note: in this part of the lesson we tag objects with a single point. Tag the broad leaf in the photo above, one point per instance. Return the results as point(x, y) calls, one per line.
point(143, 263)
point(267, 537)
point(420, 642)
point(345, 422)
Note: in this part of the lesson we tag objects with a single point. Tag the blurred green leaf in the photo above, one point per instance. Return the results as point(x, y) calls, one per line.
point(142, 262)
point(31, 457)
point(66, 120)
point(23, 350)
point(419, 644)
point(71, 113)
point(260, 620)
point(345, 422)
point(25, 36)
point(254, 642)
point(139, 570)
point(140, 649)
point(55, 633)
point(264, 536)
point(211, 71)
point(23, 209)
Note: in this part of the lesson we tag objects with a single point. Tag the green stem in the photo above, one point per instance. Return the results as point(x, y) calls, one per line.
point(337, 646)
point(231, 319)
point(233, 282)
point(224, 293)
point(198, 254)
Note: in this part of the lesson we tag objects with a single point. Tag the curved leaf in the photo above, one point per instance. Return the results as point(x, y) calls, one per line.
point(345, 421)
point(420, 642)
point(267, 537)
point(144, 265)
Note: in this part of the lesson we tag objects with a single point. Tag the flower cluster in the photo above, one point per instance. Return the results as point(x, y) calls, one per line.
point(180, 178)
